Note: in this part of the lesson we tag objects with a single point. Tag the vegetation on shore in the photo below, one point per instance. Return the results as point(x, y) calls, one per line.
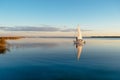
point(7, 38)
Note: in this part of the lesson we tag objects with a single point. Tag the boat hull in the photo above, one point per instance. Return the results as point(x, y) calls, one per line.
point(79, 42)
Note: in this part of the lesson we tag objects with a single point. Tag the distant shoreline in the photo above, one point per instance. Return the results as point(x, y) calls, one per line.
point(18, 37)
point(105, 37)
point(71, 37)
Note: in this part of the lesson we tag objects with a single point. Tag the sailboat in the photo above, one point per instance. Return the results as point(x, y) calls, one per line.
point(79, 39)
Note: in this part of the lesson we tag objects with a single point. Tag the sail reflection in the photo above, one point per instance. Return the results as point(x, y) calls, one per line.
point(79, 50)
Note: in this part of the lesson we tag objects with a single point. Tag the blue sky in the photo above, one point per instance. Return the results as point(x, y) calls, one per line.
point(90, 14)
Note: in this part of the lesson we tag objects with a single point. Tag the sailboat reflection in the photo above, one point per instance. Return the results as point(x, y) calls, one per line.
point(79, 50)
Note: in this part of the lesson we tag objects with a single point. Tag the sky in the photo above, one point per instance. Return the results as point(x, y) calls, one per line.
point(94, 15)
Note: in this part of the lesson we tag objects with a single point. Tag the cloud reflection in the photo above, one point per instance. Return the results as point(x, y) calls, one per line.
point(31, 45)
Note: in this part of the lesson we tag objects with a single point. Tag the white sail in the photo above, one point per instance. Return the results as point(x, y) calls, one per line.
point(79, 35)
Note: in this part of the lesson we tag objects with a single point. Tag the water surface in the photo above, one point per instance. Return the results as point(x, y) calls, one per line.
point(60, 59)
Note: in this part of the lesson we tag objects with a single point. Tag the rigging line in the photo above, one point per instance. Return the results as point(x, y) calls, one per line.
point(75, 52)
point(73, 45)
point(74, 32)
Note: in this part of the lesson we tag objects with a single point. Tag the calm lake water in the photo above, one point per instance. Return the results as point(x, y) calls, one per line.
point(60, 59)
